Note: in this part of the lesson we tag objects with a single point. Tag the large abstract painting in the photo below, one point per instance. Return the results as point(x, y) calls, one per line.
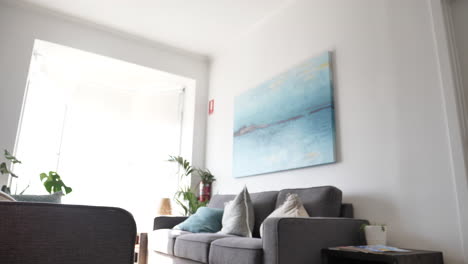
point(286, 122)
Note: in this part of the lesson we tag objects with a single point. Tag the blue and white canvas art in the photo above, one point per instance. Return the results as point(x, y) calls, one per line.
point(286, 122)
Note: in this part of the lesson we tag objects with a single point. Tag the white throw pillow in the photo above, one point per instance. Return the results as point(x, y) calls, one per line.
point(292, 207)
point(238, 217)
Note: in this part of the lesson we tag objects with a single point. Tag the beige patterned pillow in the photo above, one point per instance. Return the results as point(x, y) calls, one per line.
point(292, 207)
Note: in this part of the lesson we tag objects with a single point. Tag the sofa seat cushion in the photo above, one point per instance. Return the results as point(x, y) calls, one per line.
point(233, 250)
point(163, 240)
point(196, 246)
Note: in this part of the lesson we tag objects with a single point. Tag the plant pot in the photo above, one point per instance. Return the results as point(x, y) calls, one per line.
point(376, 234)
point(48, 198)
point(205, 192)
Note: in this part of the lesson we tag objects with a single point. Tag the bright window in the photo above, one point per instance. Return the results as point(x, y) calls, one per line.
point(106, 126)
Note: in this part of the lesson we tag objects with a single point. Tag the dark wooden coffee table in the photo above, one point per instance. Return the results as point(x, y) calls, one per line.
point(333, 256)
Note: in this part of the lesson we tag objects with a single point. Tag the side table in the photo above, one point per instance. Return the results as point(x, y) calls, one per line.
point(333, 256)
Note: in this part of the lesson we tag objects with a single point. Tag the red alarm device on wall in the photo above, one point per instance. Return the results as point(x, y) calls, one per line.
point(211, 107)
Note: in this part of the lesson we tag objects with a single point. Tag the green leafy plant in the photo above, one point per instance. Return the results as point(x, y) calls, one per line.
point(3, 166)
point(191, 204)
point(183, 163)
point(206, 176)
point(186, 197)
point(53, 183)
point(5, 170)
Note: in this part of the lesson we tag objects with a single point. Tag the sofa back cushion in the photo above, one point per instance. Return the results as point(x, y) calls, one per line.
point(219, 200)
point(318, 201)
point(263, 203)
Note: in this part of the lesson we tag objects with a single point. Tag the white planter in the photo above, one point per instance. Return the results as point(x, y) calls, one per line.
point(375, 235)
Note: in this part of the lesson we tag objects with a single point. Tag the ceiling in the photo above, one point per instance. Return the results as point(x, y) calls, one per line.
point(200, 26)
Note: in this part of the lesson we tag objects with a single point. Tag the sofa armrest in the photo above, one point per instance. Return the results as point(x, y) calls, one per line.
point(300, 240)
point(163, 222)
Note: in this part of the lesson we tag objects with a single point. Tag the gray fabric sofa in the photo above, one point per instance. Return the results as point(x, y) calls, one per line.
point(285, 240)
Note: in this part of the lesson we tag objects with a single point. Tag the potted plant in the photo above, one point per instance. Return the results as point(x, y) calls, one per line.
point(4, 170)
point(376, 234)
point(52, 182)
point(207, 179)
point(185, 196)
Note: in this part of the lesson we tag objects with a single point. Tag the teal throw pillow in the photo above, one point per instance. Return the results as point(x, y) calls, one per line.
point(205, 220)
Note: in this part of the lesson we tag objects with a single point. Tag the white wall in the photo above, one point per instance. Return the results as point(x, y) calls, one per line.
point(392, 140)
point(460, 21)
point(457, 15)
point(20, 26)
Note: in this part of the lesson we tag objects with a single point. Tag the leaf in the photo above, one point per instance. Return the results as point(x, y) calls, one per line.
point(10, 157)
point(43, 175)
point(206, 176)
point(48, 185)
point(3, 168)
point(188, 171)
point(53, 183)
point(25, 189)
point(183, 163)
point(191, 203)
point(183, 206)
point(68, 190)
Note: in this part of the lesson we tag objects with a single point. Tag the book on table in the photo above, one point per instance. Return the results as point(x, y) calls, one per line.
point(371, 249)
